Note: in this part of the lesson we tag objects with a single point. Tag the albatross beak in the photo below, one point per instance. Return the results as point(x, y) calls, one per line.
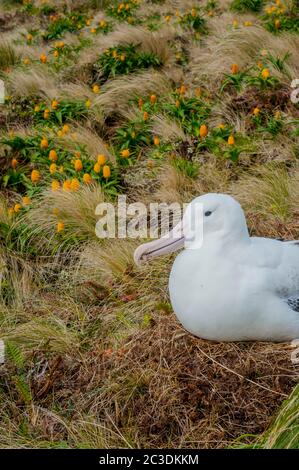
point(169, 243)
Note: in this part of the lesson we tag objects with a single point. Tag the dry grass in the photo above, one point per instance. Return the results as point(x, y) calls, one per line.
point(242, 46)
point(36, 83)
point(270, 197)
point(75, 209)
point(117, 94)
point(90, 139)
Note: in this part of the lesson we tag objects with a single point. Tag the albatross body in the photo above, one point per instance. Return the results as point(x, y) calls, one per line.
point(226, 285)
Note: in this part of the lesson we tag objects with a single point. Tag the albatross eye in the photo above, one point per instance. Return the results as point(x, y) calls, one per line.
point(207, 213)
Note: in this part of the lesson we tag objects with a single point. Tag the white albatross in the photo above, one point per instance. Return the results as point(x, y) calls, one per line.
point(231, 287)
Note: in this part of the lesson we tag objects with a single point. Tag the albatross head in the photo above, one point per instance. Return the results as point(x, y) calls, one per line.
point(207, 216)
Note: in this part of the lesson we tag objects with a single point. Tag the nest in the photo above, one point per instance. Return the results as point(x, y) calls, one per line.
point(176, 390)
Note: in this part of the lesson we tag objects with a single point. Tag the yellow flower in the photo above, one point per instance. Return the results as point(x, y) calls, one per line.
point(101, 159)
point(256, 111)
point(265, 74)
point(78, 165)
point(53, 168)
point(26, 61)
point(44, 144)
point(14, 163)
point(35, 176)
point(153, 99)
point(53, 155)
point(93, 30)
point(17, 207)
point(277, 115)
point(59, 44)
point(36, 109)
point(177, 104)
point(55, 185)
point(46, 113)
point(59, 133)
point(182, 90)
point(65, 128)
point(56, 54)
point(277, 24)
point(247, 23)
point(60, 227)
point(11, 211)
point(235, 23)
point(29, 37)
point(140, 102)
point(96, 89)
point(145, 116)
point(106, 171)
point(54, 105)
point(234, 68)
point(43, 58)
point(97, 167)
point(87, 103)
point(26, 200)
point(221, 126)
point(203, 131)
point(75, 184)
point(123, 57)
point(231, 140)
point(66, 185)
point(55, 211)
point(125, 153)
point(193, 12)
point(102, 23)
point(114, 54)
point(87, 178)
point(156, 141)
point(260, 64)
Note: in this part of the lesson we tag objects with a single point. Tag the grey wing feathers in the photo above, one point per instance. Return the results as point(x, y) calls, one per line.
point(293, 302)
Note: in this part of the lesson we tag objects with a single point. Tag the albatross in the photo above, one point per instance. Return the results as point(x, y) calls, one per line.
point(225, 285)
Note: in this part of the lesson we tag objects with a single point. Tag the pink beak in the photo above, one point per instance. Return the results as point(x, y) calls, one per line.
point(169, 243)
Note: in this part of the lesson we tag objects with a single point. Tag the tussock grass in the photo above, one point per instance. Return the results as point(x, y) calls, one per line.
point(242, 46)
point(75, 209)
point(34, 83)
point(270, 196)
point(117, 93)
point(8, 55)
point(90, 139)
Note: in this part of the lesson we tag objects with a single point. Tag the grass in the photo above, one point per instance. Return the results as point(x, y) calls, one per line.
point(8, 56)
point(159, 101)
